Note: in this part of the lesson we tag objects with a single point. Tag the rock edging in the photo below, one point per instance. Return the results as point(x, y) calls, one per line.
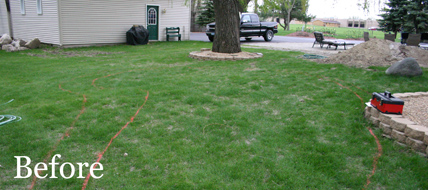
point(399, 128)
point(207, 54)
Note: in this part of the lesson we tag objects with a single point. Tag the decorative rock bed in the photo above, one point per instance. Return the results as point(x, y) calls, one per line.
point(9, 45)
point(399, 128)
point(207, 54)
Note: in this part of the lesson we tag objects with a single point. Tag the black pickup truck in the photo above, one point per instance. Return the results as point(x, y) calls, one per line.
point(250, 27)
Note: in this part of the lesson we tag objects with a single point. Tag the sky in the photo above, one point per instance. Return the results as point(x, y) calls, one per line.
point(342, 9)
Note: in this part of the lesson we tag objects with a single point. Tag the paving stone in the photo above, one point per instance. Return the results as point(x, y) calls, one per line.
point(399, 95)
point(374, 112)
point(415, 131)
point(421, 154)
point(426, 138)
point(400, 124)
point(386, 118)
point(401, 144)
point(385, 128)
point(416, 145)
point(386, 136)
point(375, 121)
point(399, 136)
point(412, 94)
point(367, 112)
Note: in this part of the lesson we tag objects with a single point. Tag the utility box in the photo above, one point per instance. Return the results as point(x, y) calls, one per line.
point(386, 103)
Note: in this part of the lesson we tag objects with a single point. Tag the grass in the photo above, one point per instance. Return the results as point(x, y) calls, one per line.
point(339, 33)
point(278, 122)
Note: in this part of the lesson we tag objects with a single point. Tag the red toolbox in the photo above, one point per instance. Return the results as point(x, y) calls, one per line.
point(386, 103)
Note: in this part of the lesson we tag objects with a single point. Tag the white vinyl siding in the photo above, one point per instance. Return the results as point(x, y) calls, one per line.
point(101, 21)
point(177, 14)
point(4, 24)
point(32, 25)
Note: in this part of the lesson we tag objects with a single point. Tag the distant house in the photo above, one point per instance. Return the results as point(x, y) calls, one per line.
point(327, 23)
point(91, 22)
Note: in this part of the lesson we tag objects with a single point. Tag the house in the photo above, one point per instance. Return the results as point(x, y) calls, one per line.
point(327, 23)
point(94, 22)
point(4, 19)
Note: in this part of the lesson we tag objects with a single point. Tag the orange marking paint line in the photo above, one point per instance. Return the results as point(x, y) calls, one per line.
point(65, 134)
point(85, 183)
point(93, 81)
point(376, 158)
point(379, 146)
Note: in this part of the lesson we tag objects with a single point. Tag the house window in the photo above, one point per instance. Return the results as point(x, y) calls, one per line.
point(152, 17)
point(39, 7)
point(22, 6)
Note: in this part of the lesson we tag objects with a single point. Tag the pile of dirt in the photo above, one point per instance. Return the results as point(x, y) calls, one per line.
point(378, 52)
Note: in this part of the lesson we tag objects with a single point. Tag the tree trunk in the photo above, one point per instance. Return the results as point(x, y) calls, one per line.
point(288, 19)
point(227, 23)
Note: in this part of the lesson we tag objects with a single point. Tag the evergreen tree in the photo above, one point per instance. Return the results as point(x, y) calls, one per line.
point(206, 13)
point(417, 16)
point(393, 18)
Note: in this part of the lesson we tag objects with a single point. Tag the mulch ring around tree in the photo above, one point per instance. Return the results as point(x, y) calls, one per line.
point(207, 54)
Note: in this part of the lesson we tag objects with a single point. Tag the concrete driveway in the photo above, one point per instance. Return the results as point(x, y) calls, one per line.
point(284, 43)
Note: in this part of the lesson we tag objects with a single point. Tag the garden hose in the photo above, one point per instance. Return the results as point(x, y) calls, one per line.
point(311, 56)
point(8, 118)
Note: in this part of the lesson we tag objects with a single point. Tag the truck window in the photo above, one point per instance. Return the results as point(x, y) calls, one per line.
point(246, 19)
point(254, 19)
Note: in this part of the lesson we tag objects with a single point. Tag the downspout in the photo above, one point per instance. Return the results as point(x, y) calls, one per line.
point(59, 23)
point(9, 18)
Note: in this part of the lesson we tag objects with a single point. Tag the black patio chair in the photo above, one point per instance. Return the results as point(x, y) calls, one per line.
point(366, 36)
point(319, 39)
point(424, 37)
point(413, 40)
point(404, 37)
point(390, 37)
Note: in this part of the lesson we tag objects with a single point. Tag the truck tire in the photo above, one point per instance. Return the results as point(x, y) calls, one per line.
point(211, 38)
point(248, 39)
point(268, 35)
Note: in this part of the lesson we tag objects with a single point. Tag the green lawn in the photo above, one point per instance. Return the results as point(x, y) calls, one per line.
point(340, 33)
point(278, 122)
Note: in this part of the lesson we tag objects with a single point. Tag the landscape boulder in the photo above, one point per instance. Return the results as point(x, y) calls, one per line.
point(5, 39)
point(9, 48)
point(33, 44)
point(21, 42)
point(15, 43)
point(5, 47)
point(406, 67)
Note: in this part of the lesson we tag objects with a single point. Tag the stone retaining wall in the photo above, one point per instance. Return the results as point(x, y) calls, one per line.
point(400, 129)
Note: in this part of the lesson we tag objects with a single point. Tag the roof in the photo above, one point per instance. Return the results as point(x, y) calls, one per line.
point(329, 21)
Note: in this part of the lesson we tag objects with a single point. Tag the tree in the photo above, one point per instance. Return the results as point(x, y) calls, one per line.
point(286, 9)
point(417, 16)
point(227, 21)
point(393, 18)
point(206, 13)
point(408, 15)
